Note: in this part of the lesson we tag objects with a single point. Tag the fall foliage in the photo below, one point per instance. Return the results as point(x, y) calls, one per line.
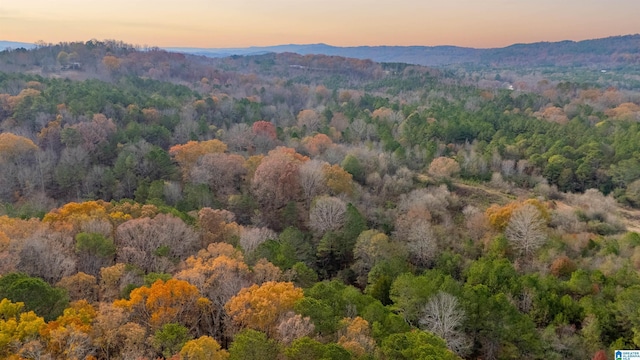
point(283, 206)
point(260, 306)
point(187, 154)
point(12, 147)
point(173, 301)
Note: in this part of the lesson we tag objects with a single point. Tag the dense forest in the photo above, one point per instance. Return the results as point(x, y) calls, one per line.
point(282, 206)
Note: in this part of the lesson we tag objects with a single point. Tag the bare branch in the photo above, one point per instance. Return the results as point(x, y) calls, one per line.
point(526, 230)
point(443, 317)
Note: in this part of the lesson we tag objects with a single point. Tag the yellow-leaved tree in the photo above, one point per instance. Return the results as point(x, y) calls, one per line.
point(339, 181)
point(69, 336)
point(219, 273)
point(203, 348)
point(259, 307)
point(13, 147)
point(17, 327)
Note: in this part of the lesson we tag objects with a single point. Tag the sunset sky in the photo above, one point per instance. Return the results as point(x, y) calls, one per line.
point(240, 23)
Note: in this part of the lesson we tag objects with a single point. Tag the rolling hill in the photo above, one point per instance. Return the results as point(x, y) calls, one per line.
point(607, 52)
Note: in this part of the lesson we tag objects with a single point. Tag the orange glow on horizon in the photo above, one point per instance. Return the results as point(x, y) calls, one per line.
point(230, 23)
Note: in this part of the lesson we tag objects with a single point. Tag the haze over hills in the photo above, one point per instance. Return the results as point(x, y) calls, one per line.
point(603, 52)
point(15, 45)
point(606, 52)
point(419, 55)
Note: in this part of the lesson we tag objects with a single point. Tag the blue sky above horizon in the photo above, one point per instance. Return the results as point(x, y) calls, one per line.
point(241, 23)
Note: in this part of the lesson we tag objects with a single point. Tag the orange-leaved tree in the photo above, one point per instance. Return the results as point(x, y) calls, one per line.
point(18, 229)
point(80, 286)
point(71, 216)
point(13, 147)
point(356, 336)
point(187, 154)
point(317, 144)
point(219, 273)
point(69, 336)
point(499, 216)
point(4, 241)
point(173, 301)
point(264, 128)
point(259, 307)
point(96, 216)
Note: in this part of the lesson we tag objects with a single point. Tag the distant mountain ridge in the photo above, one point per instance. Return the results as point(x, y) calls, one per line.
point(15, 45)
point(419, 55)
point(596, 52)
point(604, 52)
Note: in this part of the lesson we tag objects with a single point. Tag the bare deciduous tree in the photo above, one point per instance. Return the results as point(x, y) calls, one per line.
point(476, 222)
point(293, 326)
point(443, 316)
point(421, 243)
point(239, 137)
point(359, 128)
point(311, 178)
point(508, 167)
point(222, 172)
point(339, 121)
point(264, 271)
point(114, 336)
point(443, 167)
point(152, 243)
point(47, 255)
point(309, 119)
point(251, 238)
point(98, 226)
point(172, 192)
point(80, 286)
point(566, 220)
point(327, 214)
point(526, 230)
point(401, 182)
point(432, 200)
point(374, 181)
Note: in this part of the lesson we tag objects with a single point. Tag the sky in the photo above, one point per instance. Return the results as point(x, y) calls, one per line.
point(242, 23)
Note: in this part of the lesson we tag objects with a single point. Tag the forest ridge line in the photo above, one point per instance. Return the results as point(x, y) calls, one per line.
point(607, 51)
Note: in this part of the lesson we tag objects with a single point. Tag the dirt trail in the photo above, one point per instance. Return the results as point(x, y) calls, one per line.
point(480, 193)
point(631, 218)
